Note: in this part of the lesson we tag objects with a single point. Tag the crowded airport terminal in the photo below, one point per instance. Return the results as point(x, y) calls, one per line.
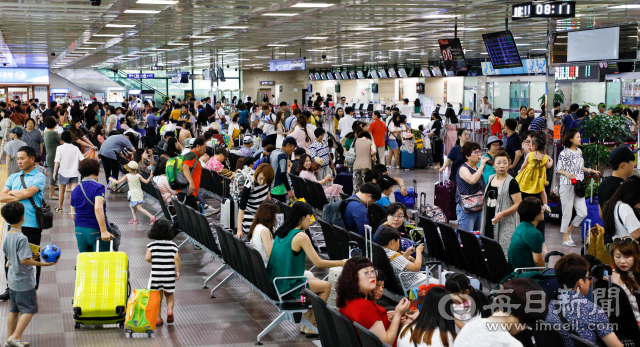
point(328, 174)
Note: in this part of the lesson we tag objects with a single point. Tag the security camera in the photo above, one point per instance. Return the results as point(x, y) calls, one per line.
point(53, 54)
point(95, 2)
point(324, 56)
point(4, 64)
point(227, 66)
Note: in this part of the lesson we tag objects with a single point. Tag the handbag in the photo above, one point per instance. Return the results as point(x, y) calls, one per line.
point(471, 203)
point(91, 154)
point(580, 189)
point(112, 228)
point(44, 216)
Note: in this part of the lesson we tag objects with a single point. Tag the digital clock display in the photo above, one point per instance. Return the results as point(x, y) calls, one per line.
point(552, 9)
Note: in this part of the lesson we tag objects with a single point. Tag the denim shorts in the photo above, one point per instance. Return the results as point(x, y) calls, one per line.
point(23, 302)
point(393, 144)
point(66, 180)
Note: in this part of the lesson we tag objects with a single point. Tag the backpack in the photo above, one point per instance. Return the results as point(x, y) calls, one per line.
point(264, 159)
point(333, 212)
point(174, 172)
point(238, 182)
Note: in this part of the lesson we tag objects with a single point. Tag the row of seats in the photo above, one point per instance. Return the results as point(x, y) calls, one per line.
point(245, 263)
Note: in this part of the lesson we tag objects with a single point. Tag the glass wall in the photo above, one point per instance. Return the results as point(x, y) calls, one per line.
point(588, 92)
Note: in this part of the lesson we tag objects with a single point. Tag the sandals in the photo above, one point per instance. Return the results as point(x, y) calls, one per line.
point(133, 221)
point(151, 223)
point(169, 317)
point(53, 197)
point(57, 210)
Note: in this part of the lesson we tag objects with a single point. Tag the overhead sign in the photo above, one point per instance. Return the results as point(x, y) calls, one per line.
point(267, 83)
point(17, 75)
point(139, 76)
point(551, 9)
point(287, 64)
point(577, 73)
point(157, 68)
point(452, 54)
point(59, 91)
point(502, 50)
point(172, 73)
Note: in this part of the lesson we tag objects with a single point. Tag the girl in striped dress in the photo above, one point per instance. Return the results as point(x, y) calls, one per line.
point(162, 253)
point(255, 191)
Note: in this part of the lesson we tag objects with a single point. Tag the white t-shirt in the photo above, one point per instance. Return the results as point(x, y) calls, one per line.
point(405, 340)
point(478, 333)
point(113, 119)
point(311, 129)
point(631, 223)
point(232, 127)
point(69, 156)
point(269, 129)
point(345, 124)
point(58, 129)
point(406, 110)
point(256, 242)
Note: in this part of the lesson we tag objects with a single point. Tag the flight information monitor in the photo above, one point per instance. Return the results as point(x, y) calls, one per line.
point(502, 50)
point(373, 74)
point(452, 54)
point(382, 73)
point(402, 73)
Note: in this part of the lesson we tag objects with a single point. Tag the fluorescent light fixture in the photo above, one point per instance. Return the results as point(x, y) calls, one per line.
point(316, 50)
point(201, 37)
point(382, 61)
point(262, 57)
point(105, 35)
point(248, 50)
point(312, 5)
point(120, 25)
point(94, 43)
point(175, 62)
point(177, 44)
point(275, 14)
point(365, 29)
point(86, 48)
point(242, 59)
point(397, 50)
point(233, 27)
point(413, 59)
point(439, 16)
point(141, 11)
point(277, 45)
point(484, 53)
point(538, 49)
point(517, 37)
point(470, 29)
point(625, 6)
point(315, 38)
point(160, 49)
point(355, 46)
point(157, 2)
point(404, 39)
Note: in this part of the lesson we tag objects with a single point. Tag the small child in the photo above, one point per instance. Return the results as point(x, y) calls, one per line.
point(390, 240)
point(20, 277)
point(532, 177)
point(386, 184)
point(135, 195)
point(319, 149)
point(39, 167)
point(165, 264)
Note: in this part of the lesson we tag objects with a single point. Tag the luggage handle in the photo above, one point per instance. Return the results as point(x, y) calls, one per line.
point(98, 244)
point(549, 255)
point(368, 241)
point(587, 232)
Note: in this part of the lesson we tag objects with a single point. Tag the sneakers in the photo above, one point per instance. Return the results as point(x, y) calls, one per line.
point(5, 296)
point(569, 243)
point(210, 211)
point(16, 343)
point(546, 208)
point(170, 317)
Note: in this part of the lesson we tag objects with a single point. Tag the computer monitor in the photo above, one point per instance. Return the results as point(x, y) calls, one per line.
point(323, 76)
point(345, 75)
point(373, 74)
point(361, 106)
point(352, 75)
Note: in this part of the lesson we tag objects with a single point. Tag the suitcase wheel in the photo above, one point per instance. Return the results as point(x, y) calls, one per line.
point(121, 325)
point(149, 334)
point(77, 326)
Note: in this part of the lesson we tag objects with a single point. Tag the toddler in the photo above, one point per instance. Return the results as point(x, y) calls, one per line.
point(532, 177)
point(135, 195)
point(163, 255)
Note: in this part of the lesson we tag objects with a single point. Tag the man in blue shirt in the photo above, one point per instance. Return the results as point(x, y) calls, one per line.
point(572, 312)
point(152, 119)
point(15, 190)
point(355, 212)
point(539, 123)
point(245, 150)
point(566, 121)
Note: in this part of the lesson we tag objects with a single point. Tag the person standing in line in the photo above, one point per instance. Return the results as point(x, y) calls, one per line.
point(524, 120)
point(455, 157)
point(622, 160)
point(345, 124)
point(51, 142)
point(571, 168)
point(469, 182)
point(29, 195)
point(451, 125)
point(32, 136)
point(364, 152)
point(279, 161)
point(66, 168)
point(378, 129)
point(434, 135)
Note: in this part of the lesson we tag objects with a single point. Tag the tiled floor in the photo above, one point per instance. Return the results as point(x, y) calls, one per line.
point(234, 318)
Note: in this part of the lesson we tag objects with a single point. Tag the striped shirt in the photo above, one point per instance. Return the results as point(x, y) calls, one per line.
point(464, 188)
point(163, 265)
point(399, 264)
point(250, 199)
point(320, 150)
point(538, 124)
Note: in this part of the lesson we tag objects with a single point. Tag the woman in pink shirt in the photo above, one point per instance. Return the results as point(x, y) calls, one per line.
point(305, 171)
point(303, 135)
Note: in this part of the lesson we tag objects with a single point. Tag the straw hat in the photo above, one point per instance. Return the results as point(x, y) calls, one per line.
point(132, 166)
point(492, 119)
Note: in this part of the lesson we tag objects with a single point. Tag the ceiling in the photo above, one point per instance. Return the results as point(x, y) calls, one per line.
point(198, 33)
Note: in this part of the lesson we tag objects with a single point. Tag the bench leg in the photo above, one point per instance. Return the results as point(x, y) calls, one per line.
point(159, 213)
point(308, 324)
point(281, 318)
point(214, 275)
point(231, 276)
point(183, 243)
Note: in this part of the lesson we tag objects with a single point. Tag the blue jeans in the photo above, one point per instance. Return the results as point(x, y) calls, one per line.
point(468, 221)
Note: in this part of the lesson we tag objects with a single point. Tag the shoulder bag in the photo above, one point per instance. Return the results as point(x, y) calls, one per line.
point(473, 202)
point(112, 228)
point(44, 216)
point(580, 189)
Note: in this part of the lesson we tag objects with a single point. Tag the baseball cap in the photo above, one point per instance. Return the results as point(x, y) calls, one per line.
point(16, 130)
point(248, 140)
point(622, 154)
point(493, 139)
point(289, 140)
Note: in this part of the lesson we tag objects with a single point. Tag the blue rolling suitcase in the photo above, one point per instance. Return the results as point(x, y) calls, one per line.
point(345, 179)
point(407, 160)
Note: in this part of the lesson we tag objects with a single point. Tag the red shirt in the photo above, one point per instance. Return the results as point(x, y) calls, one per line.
point(496, 128)
point(189, 159)
point(378, 129)
point(365, 312)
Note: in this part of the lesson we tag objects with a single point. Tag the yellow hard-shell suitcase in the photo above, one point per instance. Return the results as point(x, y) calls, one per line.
point(102, 288)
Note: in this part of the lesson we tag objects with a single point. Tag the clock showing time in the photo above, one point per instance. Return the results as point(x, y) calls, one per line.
point(551, 9)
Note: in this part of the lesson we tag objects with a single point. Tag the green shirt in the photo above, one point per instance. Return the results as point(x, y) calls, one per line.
point(488, 170)
point(284, 263)
point(51, 142)
point(525, 241)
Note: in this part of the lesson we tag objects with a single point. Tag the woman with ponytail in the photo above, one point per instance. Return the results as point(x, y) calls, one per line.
point(303, 135)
